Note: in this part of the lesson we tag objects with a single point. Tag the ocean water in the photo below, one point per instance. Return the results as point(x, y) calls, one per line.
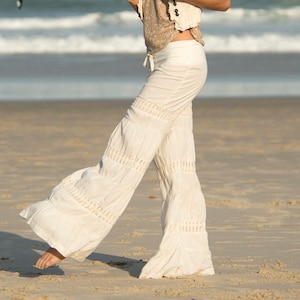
point(93, 49)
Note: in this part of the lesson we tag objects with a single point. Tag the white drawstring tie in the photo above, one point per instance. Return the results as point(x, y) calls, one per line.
point(149, 62)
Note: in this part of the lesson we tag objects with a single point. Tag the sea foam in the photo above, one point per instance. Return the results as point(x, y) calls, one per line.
point(238, 30)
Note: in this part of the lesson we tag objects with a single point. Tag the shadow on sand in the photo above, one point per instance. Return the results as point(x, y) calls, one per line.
point(17, 255)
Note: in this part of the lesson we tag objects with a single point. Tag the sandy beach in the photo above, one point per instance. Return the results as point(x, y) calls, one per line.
point(248, 161)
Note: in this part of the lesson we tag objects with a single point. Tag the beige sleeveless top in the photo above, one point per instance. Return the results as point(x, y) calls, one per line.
point(159, 30)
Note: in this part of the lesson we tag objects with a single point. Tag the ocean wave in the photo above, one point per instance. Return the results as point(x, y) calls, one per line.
point(72, 44)
point(271, 42)
point(67, 22)
point(253, 15)
point(268, 42)
point(48, 23)
point(233, 16)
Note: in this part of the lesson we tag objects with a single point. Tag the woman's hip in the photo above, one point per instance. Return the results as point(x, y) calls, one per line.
point(188, 53)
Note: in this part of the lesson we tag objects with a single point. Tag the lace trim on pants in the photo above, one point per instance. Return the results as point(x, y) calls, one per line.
point(186, 226)
point(94, 208)
point(123, 159)
point(153, 109)
point(180, 166)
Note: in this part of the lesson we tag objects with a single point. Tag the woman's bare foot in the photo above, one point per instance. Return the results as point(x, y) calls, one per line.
point(48, 259)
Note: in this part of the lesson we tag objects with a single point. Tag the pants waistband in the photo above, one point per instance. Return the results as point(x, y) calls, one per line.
point(149, 61)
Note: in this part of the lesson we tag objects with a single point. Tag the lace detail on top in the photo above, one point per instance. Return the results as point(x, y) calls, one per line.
point(159, 29)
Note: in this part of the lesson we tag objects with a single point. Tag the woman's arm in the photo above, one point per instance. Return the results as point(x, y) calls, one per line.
point(222, 5)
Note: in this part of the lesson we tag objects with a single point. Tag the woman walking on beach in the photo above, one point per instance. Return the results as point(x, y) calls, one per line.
point(83, 207)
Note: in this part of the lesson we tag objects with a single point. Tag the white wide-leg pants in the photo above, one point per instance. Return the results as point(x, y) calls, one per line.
point(83, 207)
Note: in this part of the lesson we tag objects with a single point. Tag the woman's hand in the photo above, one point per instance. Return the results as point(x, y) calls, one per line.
point(134, 4)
